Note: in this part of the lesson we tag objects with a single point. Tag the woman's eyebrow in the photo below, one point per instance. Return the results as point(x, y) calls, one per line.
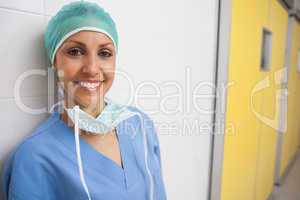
point(105, 44)
point(82, 44)
point(77, 42)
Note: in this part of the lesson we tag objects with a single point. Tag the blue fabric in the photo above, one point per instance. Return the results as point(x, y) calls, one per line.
point(44, 165)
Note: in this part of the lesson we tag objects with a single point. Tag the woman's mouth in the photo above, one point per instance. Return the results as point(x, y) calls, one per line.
point(89, 85)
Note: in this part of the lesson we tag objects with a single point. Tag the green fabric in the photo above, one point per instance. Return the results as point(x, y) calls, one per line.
point(75, 16)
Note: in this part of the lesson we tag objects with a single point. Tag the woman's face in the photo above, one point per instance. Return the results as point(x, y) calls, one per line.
point(86, 67)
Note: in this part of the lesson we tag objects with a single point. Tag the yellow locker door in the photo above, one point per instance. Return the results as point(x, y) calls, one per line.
point(266, 154)
point(240, 149)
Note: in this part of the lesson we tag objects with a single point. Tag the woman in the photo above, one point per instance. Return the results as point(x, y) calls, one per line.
point(93, 149)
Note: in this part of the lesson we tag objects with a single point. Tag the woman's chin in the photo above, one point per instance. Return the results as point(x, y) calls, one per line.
point(90, 100)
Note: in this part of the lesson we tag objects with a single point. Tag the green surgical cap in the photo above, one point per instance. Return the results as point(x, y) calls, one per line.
point(75, 17)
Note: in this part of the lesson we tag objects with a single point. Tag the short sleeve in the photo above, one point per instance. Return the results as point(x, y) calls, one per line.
point(154, 142)
point(27, 177)
point(156, 160)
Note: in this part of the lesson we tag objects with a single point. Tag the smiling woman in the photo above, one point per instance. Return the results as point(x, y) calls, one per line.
point(86, 65)
point(95, 148)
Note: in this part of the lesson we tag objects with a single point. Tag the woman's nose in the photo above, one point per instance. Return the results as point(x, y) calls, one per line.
point(92, 65)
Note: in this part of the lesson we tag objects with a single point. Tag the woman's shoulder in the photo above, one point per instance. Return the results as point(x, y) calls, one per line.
point(141, 114)
point(26, 160)
point(35, 142)
point(143, 120)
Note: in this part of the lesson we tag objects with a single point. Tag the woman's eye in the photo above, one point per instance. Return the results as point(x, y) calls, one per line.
point(75, 52)
point(105, 53)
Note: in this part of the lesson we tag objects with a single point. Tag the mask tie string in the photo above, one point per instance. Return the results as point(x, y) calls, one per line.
point(145, 144)
point(79, 159)
point(78, 155)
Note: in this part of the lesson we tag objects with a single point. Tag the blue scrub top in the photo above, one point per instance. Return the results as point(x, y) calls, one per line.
point(44, 165)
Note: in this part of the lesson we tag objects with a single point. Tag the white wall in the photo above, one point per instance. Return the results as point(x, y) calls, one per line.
point(160, 43)
point(21, 50)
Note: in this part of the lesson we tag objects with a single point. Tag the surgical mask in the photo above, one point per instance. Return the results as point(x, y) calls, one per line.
point(108, 119)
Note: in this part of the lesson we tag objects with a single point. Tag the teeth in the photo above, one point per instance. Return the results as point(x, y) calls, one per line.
point(89, 85)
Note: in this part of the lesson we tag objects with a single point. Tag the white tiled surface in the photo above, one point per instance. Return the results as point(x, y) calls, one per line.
point(21, 50)
point(36, 6)
point(52, 6)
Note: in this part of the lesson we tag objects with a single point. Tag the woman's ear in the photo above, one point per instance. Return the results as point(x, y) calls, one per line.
point(54, 63)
